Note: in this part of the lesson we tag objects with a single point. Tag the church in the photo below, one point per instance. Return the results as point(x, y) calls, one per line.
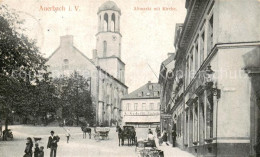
point(105, 71)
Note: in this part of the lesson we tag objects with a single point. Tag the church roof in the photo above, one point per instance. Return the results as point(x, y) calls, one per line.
point(147, 91)
point(109, 5)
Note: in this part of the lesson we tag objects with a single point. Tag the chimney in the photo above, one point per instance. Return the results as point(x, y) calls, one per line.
point(149, 82)
point(94, 53)
point(66, 40)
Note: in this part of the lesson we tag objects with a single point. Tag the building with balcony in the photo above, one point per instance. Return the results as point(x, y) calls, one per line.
point(141, 107)
point(215, 103)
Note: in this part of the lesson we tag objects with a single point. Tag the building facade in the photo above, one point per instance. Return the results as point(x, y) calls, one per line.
point(105, 70)
point(216, 79)
point(141, 108)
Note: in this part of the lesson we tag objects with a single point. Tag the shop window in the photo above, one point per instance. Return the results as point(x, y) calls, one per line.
point(209, 118)
point(195, 137)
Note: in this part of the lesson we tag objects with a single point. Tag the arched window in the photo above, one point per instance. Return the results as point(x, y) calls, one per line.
point(113, 19)
point(104, 48)
point(105, 22)
point(65, 64)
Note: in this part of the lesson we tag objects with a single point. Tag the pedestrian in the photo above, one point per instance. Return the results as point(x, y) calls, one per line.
point(68, 135)
point(41, 152)
point(165, 137)
point(36, 150)
point(151, 139)
point(157, 129)
point(28, 148)
point(173, 138)
point(52, 144)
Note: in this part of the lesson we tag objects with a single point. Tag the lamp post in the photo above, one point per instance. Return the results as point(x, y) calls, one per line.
point(209, 82)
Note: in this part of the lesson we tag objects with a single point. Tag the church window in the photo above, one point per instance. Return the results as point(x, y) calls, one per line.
point(113, 19)
point(105, 22)
point(104, 48)
point(66, 64)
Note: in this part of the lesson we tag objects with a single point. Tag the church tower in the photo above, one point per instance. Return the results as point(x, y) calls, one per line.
point(108, 40)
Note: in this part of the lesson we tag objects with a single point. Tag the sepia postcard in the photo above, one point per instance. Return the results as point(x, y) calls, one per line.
point(136, 78)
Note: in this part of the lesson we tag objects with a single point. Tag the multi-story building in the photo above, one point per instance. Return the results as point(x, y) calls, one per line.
point(216, 103)
point(141, 108)
point(105, 70)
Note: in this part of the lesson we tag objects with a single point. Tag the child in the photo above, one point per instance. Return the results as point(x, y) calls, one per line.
point(36, 150)
point(41, 152)
point(68, 135)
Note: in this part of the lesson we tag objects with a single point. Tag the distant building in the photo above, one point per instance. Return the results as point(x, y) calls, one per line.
point(141, 108)
point(105, 71)
point(215, 103)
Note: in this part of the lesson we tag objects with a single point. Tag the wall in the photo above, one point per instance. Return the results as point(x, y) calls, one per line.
point(237, 21)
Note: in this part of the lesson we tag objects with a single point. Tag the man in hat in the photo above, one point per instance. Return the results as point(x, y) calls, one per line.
point(52, 144)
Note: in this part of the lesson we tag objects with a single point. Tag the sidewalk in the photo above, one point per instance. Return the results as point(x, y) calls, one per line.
point(170, 151)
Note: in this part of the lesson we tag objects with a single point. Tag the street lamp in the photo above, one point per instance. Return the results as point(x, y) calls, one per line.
point(209, 82)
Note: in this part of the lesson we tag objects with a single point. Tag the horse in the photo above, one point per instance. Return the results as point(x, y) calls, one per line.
point(128, 134)
point(121, 135)
point(86, 130)
point(131, 136)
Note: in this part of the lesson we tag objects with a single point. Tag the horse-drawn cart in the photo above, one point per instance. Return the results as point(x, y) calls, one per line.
point(101, 133)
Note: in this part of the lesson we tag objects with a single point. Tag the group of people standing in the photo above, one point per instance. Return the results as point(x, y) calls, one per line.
point(163, 137)
point(39, 151)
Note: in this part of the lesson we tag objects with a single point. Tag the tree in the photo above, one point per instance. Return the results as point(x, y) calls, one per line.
point(76, 98)
point(23, 72)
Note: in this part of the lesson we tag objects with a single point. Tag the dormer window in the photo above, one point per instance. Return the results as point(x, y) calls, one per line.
point(148, 94)
point(150, 87)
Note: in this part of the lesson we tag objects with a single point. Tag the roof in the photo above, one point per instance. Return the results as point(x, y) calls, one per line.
point(145, 91)
point(109, 5)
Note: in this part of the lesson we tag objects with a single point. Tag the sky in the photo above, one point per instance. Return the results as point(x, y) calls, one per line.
point(147, 35)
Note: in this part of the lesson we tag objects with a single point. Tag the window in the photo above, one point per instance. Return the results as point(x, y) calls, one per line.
point(209, 116)
point(196, 56)
point(150, 87)
point(127, 107)
point(156, 93)
point(143, 106)
point(104, 48)
point(202, 38)
point(135, 106)
point(105, 26)
point(195, 131)
point(113, 22)
point(210, 35)
point(187, 71)
point(66, 64)
point(191, 65)
point(151, 106)
point(132, 107)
